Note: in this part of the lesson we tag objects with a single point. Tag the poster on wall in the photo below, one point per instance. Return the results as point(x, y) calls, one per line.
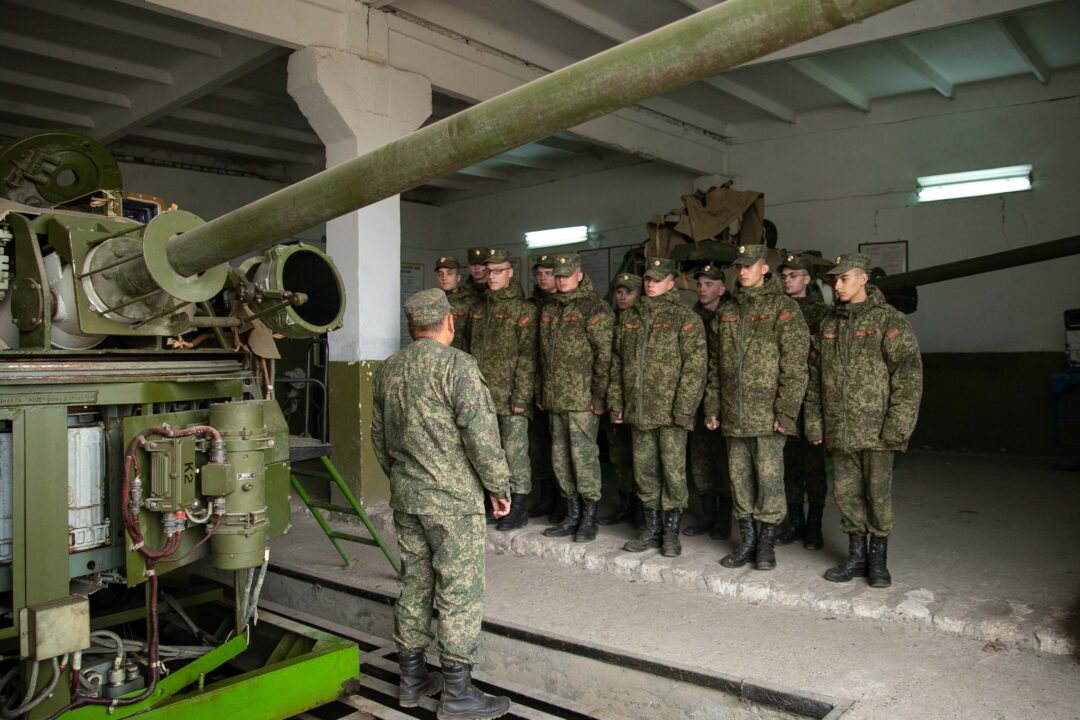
point(889, 256)
point(412, 281)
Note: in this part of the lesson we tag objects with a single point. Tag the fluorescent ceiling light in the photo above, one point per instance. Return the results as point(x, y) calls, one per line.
point(972, 184)
point(556, 236)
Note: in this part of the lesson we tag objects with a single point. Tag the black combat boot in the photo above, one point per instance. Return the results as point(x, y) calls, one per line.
point(558, 510)
point(651, 535)
point(764, 556)
point(416, 681)
point(746, 548)
point(814, 539)
point(878, 555)
point(586, 531)
point(855, 565)
point(462, 701)
point(707, 521)
point(518, 516)
point(570, 523)
point(722, 529)
point(624, 511)
point(794, 527)
point(545, 500)
point(671, 546)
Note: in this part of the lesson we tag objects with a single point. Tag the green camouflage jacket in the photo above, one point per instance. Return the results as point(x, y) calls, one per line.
point(461, 302)
point(575, 351)
point(658, 363)
point(814, 311)
point(757, 366)
point(865, 378)
point(710, 340)
point(476, 292)
point(502, 338)
point(435, 433)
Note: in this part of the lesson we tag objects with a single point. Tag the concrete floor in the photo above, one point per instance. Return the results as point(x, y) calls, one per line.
point(979, 623)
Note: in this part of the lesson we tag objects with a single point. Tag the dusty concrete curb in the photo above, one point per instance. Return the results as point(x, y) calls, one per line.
point(1000, 623)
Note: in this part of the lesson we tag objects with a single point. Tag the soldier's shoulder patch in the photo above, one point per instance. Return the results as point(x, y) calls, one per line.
point(524, 320)
point(687, 327)
point(595, 319)
point(893, 334)
point(784, 316)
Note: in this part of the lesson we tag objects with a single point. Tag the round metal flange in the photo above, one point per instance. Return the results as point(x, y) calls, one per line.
point(156, 237)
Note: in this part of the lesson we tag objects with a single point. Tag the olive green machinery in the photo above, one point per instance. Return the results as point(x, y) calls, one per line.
point(134, 426)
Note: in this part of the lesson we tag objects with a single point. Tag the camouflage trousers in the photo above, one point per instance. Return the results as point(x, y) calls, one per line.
point(442, 565)
point(708, 461)
point(621, 455)
point(862, 485)
point(660, 467)
point(804, 472)
point(575, 454)
point(514, 432)
point(756, 465)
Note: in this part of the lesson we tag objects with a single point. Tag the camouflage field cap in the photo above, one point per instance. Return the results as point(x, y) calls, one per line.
point(660, 268)
point(797, 261)
point(478, 255)
point(628, 281)
point(566, 264)
point(496, 256)
point(544, 261)
point(710, 271)
point(750, 254)
point(850, 261)
point(426, 307)
point(447, 261)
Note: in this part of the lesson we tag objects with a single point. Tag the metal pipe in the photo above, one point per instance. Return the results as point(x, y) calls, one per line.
point(700, 46)
point(982, 264)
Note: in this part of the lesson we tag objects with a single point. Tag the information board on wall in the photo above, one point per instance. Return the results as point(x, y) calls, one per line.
point(412, 281)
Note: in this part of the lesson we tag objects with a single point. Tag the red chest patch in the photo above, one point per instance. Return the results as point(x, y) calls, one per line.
point(865, 333)
point(547, 320)
point(571, 318)
point(726, 320)
point(687, 327)
point(502, 316)
point(784, 316)
point(478, 316)
point(893, 334)
point(595, 320)
point(758, 317)
point(458, 313)
point(524, 320)
point(829, 336)
point(660, 326)
point(631, 326)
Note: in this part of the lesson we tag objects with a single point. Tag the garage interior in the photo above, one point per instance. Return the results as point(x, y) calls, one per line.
point(212, 106)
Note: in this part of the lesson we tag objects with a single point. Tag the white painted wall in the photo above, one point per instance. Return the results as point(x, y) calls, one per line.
point(837, 180)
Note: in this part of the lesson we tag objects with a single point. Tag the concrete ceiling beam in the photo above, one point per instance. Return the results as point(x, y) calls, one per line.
point(920, 66)
point(197, 75)
point(78, 91)
point(225, 146)
point(106, 17)
point(1021, 44)
point(752, 97)
point(841, 88)
point(211, 119)
point(98, 62)
point(48, 114)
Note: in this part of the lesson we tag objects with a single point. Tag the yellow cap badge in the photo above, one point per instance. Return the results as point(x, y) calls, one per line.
point(656, 263)
point(543, 258)
point(707, 268)
point(442, 259)
point(790, 258)
point(491, 252)
point(562, 261)
point(625, 277)
point(839, 258)
point(742, 249)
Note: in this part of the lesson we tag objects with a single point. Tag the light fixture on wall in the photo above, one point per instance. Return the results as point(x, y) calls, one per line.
point(994, 181)
point(556, 236)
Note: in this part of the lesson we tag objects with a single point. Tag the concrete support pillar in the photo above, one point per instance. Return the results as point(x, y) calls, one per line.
point(355, 106)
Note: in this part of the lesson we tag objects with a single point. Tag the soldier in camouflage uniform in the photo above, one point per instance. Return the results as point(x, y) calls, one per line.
point(448, 275)
point(757, 379)
point(575, 354)
point(804, 464)
point(658, 363)
point(627, 292)
point(502, 338)
point(543, 475)
point(476, 283)
point(708, 453)
point(863, 401)
point(435, 434)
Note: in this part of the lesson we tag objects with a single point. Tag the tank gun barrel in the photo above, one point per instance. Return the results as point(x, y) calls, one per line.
point(699, 46)
point(982, 264)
